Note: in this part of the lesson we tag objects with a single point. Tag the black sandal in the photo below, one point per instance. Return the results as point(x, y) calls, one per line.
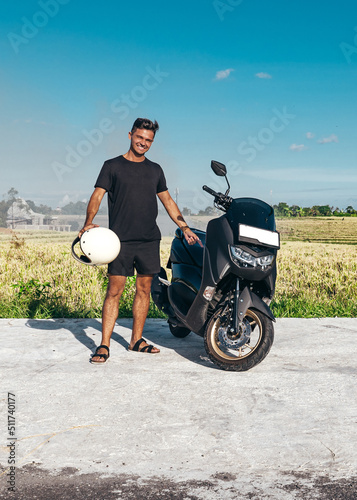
point(105, 356)
point(147, 348)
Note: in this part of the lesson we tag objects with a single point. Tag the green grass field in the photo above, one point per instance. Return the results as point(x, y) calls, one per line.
point(317, 274)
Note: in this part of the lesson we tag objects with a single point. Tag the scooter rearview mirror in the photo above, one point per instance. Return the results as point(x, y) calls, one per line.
point(218, 168)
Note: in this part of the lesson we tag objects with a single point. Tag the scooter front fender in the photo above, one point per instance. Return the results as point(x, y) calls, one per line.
point(249, 300)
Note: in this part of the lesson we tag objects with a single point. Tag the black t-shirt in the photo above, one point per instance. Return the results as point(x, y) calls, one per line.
point(132, 188)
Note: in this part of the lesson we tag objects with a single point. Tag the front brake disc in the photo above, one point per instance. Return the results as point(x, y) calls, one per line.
point(235, 340)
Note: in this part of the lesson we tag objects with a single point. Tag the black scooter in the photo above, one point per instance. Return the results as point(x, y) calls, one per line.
point(222, 292)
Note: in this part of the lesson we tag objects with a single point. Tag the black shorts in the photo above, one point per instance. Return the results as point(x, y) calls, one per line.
point(144, 256)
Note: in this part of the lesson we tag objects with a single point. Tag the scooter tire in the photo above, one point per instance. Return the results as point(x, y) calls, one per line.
point(179, 331)
point(231, 360)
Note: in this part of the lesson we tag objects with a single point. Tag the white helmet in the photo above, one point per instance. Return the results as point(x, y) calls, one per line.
point(99, 246)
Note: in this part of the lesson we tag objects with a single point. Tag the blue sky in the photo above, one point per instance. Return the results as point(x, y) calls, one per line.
point(268, 88)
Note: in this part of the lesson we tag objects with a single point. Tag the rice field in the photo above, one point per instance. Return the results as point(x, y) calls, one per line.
point(316, 280)
point(40, 279)
point(341, 230)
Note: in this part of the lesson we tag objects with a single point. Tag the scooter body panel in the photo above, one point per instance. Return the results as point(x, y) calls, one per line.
point(195, 316)
point(182, 253)
point(191, 275)
point(219, 237)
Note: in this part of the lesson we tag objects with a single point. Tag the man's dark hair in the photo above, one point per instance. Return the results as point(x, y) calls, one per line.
point(145, 123)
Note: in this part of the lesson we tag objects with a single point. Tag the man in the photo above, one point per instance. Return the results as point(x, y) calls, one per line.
point(132, 183)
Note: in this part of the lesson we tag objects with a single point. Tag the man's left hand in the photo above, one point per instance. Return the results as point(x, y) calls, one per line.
point(192, 238)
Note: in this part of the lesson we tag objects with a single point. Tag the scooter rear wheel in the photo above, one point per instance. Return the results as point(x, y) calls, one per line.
point(222, 348)
point(179, 331)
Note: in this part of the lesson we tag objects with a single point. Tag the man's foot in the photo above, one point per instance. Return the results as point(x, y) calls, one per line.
point(101, 355)
point(147, 348)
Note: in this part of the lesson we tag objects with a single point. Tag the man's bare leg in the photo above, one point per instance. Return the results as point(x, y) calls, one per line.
point(110, 311)
point(140, 309)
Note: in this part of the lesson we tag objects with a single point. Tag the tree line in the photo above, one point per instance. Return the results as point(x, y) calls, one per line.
point(284, 210)
point(79, 208)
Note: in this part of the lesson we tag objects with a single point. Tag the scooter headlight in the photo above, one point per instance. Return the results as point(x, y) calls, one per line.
point(245, 259)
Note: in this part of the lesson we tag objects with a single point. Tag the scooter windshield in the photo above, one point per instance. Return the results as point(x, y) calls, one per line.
point(252, 212)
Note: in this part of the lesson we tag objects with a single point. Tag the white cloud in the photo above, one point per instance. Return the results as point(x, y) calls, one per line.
point(263, 75)
point(310, 135)
point(297, 147)
point(221, 75)
point(70, 198)
point(326, 140)
point(65, 200)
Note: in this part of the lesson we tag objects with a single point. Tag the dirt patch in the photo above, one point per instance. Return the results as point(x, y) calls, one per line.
point(322, 487)
point(38, 484)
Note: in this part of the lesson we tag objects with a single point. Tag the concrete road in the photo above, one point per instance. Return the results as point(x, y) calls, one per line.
point(172, 425)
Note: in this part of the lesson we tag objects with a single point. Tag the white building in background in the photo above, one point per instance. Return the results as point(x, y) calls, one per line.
point(21, 216)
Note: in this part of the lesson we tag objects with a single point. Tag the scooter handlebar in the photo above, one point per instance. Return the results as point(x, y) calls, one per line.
point(210, 191)
point(222, 201)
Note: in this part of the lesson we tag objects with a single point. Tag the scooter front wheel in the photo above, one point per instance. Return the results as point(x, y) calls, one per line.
point(242, 351)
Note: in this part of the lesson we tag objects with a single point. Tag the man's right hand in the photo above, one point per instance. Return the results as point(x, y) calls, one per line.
point(92, 209)
point(85, 228)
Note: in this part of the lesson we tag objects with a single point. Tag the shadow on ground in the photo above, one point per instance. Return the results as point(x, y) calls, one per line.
point(190, 347)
